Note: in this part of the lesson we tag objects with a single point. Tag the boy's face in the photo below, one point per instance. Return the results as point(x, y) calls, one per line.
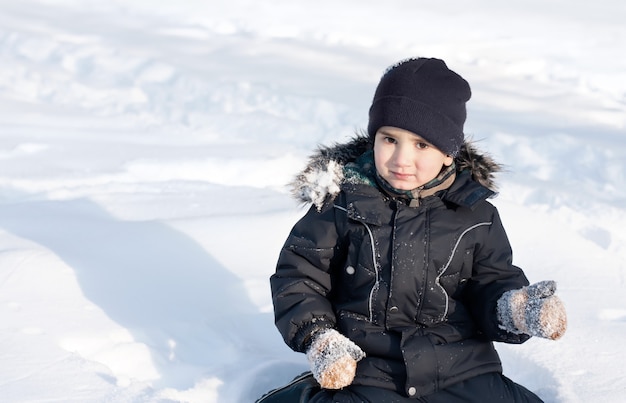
point(406, 160)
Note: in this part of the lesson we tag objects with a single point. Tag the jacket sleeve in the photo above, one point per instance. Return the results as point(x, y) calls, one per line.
point(302, 281)
point(493, 273)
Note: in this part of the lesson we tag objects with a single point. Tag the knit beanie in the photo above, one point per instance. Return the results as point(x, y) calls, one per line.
point(423, 96)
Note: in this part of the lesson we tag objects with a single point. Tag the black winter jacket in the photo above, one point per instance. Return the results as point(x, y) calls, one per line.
point(414, 287)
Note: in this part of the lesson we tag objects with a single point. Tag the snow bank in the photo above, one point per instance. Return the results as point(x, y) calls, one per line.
point(144, 149)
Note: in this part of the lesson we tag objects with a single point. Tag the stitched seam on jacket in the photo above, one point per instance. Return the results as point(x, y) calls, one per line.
point(447, 265)
point(376, 285)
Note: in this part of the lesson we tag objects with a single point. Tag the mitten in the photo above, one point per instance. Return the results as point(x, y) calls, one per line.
point(533, 310)
point(333, 359)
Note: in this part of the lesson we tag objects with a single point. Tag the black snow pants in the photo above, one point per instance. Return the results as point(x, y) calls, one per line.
point(491, 387)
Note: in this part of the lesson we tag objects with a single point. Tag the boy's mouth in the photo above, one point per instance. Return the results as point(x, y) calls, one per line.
point(401, 176)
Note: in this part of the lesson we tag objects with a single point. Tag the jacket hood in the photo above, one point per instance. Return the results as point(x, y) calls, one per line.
point(323, 175)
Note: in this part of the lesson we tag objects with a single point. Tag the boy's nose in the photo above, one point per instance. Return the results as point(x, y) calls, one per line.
point(402, 156)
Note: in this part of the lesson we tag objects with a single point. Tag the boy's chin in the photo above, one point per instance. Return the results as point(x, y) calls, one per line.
point(403, 185)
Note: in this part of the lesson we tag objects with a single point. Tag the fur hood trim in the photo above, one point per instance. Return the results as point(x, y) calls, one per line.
point(324, 173)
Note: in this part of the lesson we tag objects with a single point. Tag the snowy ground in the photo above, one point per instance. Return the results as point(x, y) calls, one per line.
point(145, 145)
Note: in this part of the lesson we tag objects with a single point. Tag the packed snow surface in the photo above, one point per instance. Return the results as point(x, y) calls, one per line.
point(145, 148)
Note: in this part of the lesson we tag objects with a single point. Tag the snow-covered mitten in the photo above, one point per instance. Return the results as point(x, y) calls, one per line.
point(333, 359)
point(533, 310)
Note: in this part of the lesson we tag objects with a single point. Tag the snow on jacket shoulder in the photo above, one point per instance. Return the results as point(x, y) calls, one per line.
point(414, 287)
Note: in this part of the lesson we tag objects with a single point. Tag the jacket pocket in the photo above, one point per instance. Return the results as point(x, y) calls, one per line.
point(454, 279)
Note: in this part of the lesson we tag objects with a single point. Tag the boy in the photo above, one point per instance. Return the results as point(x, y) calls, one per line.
point(399, 278)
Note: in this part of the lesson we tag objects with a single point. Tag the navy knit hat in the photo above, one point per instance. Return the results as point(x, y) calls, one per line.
point(425, 97)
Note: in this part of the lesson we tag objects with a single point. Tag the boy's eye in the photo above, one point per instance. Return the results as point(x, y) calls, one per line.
point(421, 145)
point(390, 140)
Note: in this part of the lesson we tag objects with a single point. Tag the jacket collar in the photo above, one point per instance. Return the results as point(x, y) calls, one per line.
point(332, 167)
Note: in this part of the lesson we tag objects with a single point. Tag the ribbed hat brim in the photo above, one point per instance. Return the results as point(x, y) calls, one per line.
point(416, 117)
